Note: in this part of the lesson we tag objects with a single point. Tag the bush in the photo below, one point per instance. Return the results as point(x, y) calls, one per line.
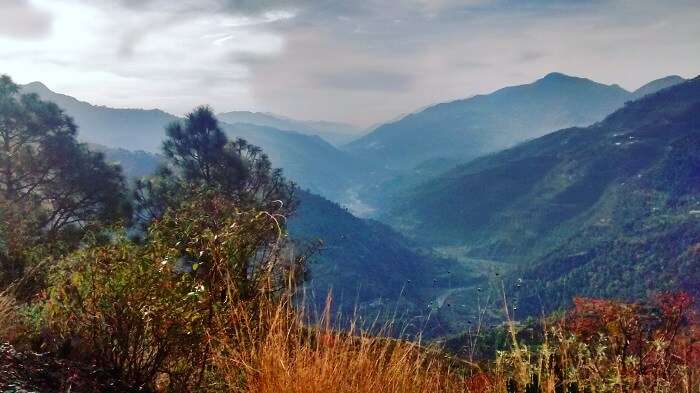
point(147, 311)
point(604, 345)
point(130, 314)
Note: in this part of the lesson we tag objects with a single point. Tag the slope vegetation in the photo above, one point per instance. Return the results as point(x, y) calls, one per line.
point(612, 209)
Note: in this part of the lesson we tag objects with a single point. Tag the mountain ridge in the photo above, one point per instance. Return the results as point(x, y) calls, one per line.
point(466, 128)
point(129, 128)
point(333, 132)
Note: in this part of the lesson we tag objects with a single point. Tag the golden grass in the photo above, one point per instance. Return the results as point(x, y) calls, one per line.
point(10, 323)
point(277, 352)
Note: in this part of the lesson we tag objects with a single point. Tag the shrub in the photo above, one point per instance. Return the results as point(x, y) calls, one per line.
point(605, 345)
point(128, 313)
point(148, 310)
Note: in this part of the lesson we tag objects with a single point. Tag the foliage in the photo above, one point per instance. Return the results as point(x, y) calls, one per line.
point(52, 188)
point(126, 316)
point(141, 310)
point(198, 154)
point(10, 326)
point(606, 346)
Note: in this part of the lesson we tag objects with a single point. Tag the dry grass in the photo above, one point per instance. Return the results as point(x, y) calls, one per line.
point(267, 346)
point(10, 322)
point(625, 351)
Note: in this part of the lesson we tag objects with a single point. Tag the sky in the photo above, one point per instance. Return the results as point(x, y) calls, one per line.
point(360, 62)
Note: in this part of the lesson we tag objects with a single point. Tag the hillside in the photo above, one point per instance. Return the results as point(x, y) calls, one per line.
point(308, 160)
point(370, 266)
point(656, 85)
point(132, 129)
point(574, 210)
point(335, 133)
point(465, 129)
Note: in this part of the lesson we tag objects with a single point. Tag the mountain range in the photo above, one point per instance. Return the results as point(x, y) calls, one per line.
point(366, 179)
point(467, 128)
point(307, 158)
point(333, 132)
point(610, 210)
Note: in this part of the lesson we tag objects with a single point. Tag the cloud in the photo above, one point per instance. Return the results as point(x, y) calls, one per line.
point(20, 19)
point(386, 57)
point(354, 61)
point(530, 55)
point(368, 80)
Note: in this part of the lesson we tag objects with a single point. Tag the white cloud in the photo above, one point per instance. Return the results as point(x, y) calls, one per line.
point(142, 58)
point(353, 61)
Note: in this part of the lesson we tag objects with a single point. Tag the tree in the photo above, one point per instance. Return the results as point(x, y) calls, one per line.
point(51, 187)
point(199, 155)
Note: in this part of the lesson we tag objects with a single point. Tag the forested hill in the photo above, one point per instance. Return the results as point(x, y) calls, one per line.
point(465, 129)
point(611, 210)
point(373, 269)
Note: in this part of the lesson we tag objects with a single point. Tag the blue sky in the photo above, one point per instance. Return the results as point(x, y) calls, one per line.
point(354, 61)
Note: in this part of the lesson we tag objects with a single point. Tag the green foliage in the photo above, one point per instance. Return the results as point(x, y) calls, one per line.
point(53, 190)
point(146, 309)
point(198, 154)
point(129, 313)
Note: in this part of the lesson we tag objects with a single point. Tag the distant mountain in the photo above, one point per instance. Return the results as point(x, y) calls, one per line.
point(465, 129)
point(659, 84)
point(307, 159)
point(134, 164)
point(133, 129)
point(335, 133)
point(609, 210)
